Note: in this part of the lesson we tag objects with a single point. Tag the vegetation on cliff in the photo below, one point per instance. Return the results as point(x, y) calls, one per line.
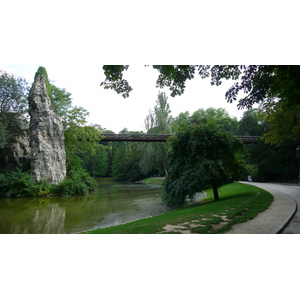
point(19, 182)
point(42, 71)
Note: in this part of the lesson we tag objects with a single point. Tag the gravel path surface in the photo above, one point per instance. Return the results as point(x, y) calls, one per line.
point(274, 218)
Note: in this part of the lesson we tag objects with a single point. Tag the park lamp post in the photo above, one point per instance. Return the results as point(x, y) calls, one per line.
point(298, 155)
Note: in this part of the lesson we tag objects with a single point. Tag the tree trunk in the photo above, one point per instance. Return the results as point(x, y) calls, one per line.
point(166, 170)
point(216, 193)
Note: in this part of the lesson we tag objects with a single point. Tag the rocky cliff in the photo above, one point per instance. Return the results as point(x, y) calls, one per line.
point(48, 156)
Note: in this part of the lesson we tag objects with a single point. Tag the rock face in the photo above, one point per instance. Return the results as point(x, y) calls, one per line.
point(16, 154)
point(48, 156)
point(20, 151)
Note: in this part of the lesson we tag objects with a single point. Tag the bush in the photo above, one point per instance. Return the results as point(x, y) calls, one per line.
point(78, 182)
point(22, 184)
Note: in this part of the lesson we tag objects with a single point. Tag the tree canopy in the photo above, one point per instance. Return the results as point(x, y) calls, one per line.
point(277, 87)
point(257, 81)
point(13, 107)
point(199, 157)
point(217, 117)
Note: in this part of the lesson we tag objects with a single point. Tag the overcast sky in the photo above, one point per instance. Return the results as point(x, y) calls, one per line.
point(111, 110)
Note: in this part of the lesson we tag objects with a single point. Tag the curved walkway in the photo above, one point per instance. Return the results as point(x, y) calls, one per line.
point(274, 218)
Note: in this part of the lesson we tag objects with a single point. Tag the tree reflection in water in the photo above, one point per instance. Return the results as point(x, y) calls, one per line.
point(48, 220)
point(51, 220)
point(113, 203)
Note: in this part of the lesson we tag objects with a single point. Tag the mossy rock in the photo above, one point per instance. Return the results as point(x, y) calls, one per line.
point(43, 71)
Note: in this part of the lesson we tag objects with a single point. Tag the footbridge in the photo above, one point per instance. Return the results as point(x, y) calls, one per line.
point(134, 137)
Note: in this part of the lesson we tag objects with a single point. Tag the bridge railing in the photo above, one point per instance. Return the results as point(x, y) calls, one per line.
point(134, 137)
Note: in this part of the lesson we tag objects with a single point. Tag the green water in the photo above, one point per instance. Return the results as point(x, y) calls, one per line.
point(113, 203)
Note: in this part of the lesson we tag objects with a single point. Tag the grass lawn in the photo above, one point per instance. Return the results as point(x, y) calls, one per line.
point(239, 203)
point(151, 180)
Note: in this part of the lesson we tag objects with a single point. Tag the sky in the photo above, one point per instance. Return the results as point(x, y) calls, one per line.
point(111, 110)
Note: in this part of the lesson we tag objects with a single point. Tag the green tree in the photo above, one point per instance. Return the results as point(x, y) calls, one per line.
point(158, 121)
point(114, 80)
point(257, 81)
point(258, 84)
point(284, 122)
point(61, 100)
point(13, 118)
point(217, 117)
point(266, 162)
point(118, 166)
point(78, 136)
point(201, 156)
point(252, 123)
point(126, 160)
point(13, 107)
point(95, 163)
point(272, 163)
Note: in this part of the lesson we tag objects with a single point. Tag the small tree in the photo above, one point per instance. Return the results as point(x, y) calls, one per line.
point(199, 157)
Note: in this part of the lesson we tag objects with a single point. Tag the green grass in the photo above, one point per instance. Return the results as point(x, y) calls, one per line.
point(151, 180)
point(238, 203)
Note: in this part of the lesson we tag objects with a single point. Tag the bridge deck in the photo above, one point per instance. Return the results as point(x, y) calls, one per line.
point(109, 137)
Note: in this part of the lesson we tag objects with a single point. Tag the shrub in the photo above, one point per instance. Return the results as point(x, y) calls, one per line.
point(22, 184)
point(78, 182)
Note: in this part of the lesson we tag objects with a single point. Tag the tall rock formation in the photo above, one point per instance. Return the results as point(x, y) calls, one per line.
point(48, 156)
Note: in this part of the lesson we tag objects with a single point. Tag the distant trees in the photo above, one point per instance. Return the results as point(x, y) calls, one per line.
point(126, 160)
point(158, 121)
point(217, 117)
point(95, 162)
point(253, 123)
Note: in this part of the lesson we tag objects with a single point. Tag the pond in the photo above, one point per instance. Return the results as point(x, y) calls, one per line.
point(111, 204)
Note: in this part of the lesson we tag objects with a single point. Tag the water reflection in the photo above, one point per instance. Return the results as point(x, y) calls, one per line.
point(32, 220)
point(111, 204)
point(51, 220)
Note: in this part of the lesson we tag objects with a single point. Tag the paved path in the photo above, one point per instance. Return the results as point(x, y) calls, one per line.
point(274, 218)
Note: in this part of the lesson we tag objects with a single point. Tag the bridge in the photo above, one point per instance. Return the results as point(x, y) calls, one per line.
point(134, 137)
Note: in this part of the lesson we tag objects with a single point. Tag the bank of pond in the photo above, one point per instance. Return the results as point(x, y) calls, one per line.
point(110, 204)
point(138, 206)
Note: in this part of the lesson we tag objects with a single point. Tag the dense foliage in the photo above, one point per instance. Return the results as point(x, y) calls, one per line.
point(201, 156)
point(14, 122)
point(78, 182)
point(216, 117)
point(21, 184)
point(267, 162)
point(126, 157)
point(276, 87)
point(13, 111)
